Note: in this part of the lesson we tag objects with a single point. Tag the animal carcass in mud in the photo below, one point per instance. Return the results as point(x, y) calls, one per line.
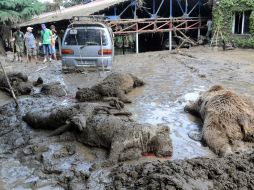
point(96, 126)
point(114, 85)
point(228, 119)
point(54, 89)
point(19, 83)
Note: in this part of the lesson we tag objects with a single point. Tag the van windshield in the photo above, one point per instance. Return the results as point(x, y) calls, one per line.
point(86, 36)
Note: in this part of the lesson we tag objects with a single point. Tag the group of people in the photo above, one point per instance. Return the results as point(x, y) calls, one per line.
point(48, 41)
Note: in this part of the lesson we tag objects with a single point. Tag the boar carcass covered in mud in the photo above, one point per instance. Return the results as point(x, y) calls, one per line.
point(54, 89)
point(19, 83)
point(93, 125)
point(228, 119)
point(114, 85)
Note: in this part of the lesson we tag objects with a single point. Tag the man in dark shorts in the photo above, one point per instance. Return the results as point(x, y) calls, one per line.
point(19, 43)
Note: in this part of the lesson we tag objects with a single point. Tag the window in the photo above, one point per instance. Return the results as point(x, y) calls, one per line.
point(88, 37)
point(241, 22)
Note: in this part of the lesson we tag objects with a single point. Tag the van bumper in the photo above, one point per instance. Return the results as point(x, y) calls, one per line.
point(84, 64)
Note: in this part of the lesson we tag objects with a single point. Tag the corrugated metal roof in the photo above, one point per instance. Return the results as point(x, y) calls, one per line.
point(68, 13)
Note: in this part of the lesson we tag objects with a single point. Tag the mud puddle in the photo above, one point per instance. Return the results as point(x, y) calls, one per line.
point(179, 122)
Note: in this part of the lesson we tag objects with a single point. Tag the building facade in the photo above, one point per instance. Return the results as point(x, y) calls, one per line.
point(235, 20)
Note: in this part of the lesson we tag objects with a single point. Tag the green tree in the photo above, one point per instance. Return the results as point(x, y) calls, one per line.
point(15, 11)
point(62, 3)
point(69, 3)
point(55, 6)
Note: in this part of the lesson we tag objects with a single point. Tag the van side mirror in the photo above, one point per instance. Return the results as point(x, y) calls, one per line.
point(73, 32)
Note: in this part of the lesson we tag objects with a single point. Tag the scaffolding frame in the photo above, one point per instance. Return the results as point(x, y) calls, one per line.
point(155, 24)
point(132, 26)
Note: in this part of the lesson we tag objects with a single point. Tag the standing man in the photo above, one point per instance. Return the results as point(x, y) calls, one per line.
point(30, 43)
point(19, 43)
point(209, 25)
point(53, 41)
point(46, 36)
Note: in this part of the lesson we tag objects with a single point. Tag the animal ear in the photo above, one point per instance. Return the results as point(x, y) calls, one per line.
point(228, 94)
point(215, 88)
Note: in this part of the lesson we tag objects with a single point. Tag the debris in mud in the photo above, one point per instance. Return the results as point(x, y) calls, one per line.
point(114, 102)
point(52, 162)
point(19, 83)
point(202, 75)
point(96, 127)
point(87, 94)
point(231, 172)
point(47, 159)
point(228, 120)
point(228, 45)
point(54, 89)
point(55, 155)
point(38, 82)
point(22, 86)
point(114, 85)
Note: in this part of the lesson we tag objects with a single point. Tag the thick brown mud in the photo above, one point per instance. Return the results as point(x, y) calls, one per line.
point(32, 160)
point(231, 172)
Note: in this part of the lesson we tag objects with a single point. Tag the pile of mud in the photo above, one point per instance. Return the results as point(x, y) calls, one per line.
point(231, 172)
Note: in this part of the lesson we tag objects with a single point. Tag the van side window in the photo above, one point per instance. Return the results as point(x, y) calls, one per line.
point(87, 37)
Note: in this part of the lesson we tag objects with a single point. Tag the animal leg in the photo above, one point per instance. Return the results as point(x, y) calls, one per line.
point(130, 154)
point(216, 140)
point(122, 97)
point(60, 130)
point(246, 128)
point(116, 148)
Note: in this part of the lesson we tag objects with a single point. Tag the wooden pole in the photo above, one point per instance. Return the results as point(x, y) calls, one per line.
point(9, 84)
point(137, 43)
point(170, 40)
point(213, 37)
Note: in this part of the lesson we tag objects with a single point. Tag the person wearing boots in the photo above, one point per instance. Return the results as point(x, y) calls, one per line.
point(19, 43)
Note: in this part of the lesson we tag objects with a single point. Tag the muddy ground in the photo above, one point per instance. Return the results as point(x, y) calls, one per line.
point(171, 81)
point(231, 172)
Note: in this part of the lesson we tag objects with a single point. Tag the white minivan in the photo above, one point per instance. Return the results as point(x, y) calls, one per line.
point(87, 45)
